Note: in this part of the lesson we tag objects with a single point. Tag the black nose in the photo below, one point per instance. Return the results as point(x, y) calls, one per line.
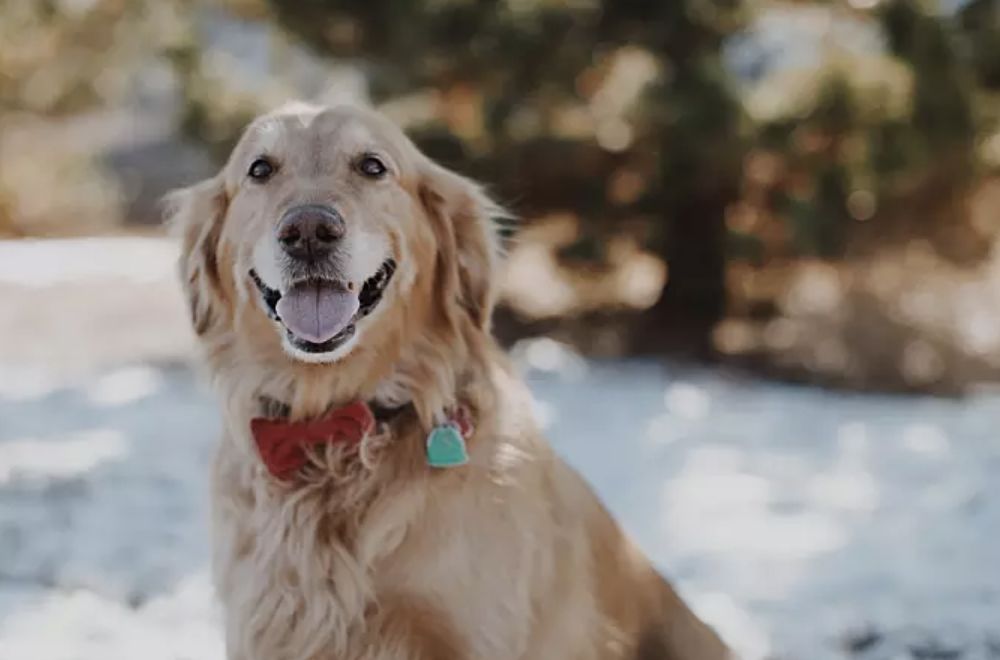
point(309, 232)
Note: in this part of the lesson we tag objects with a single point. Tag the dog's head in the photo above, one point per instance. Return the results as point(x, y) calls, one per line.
point(328, 235)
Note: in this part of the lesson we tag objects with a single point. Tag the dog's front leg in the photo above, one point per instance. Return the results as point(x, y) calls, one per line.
point(410, 629)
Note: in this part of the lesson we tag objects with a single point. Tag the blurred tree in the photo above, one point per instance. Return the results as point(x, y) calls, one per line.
point(57, 60)
point(875, 148)
point(63, 57)
point(942, 106)
point(980, 23)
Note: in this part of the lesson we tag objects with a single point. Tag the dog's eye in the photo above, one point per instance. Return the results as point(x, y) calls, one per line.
point(372, 167)
point(261, 170)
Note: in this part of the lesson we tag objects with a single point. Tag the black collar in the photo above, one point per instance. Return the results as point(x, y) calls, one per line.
point(274, 409)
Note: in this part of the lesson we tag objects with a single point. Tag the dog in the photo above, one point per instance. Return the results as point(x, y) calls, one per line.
point(381, 489)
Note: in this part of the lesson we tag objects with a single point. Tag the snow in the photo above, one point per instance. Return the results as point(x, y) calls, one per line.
point(797, 517)
point(39, 263)
point(800, 521)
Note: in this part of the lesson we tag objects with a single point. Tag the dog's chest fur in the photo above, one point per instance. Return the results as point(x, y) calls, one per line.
point(293, 567)
point(305, 574)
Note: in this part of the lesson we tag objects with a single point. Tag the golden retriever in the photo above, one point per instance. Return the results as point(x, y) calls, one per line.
point(331, 263)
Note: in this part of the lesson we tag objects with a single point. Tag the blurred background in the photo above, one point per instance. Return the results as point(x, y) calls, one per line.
point(756, 248)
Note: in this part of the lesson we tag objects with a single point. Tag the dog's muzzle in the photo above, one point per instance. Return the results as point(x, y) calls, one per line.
point(317, 314)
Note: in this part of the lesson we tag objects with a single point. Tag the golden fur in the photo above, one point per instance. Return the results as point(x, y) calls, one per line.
point(373, 554)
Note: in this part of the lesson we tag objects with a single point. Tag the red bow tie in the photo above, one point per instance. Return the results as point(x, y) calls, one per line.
point(282, 443)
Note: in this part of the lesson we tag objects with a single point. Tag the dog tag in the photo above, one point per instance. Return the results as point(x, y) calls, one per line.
point(446, 447)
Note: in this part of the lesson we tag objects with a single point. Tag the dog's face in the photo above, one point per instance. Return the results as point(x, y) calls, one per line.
point(321, 203)
point(327, 225)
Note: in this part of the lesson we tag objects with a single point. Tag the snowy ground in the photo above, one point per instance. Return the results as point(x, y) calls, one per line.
point(806, 524)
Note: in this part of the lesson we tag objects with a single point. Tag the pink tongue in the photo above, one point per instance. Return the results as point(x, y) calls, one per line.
point(317, 312)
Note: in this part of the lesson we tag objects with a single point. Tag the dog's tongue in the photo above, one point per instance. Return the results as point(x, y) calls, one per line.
point(317, 311)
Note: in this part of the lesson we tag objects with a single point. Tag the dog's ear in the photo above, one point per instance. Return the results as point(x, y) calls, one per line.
point(195, 215)
point(465, 222)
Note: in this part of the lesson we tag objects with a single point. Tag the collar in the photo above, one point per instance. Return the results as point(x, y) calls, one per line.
point(283, 444)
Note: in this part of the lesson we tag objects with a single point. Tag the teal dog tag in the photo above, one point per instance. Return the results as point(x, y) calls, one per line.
point(446, 447)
